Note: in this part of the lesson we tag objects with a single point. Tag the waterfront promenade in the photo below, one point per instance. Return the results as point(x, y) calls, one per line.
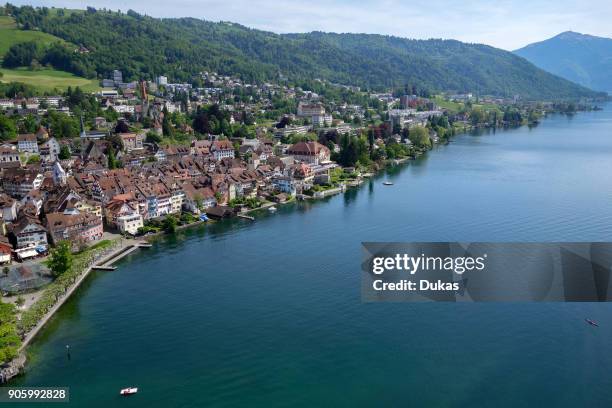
point(118, 250)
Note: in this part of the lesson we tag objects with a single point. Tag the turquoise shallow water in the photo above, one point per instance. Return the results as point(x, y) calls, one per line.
point(269, 313)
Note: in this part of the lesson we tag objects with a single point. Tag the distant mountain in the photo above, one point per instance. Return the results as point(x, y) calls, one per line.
point(143, 47)
point(581, 58)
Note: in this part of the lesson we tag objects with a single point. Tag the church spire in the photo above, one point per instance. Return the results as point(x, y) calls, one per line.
point(83, 133)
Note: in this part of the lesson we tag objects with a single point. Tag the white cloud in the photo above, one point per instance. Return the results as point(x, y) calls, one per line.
point(506, 24)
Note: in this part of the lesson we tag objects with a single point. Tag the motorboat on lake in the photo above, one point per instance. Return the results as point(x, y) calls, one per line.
point(128, 391)
point(591, 322)
point(387, 183)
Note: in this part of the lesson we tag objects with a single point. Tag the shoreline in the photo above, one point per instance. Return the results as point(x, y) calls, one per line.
point(17, 366)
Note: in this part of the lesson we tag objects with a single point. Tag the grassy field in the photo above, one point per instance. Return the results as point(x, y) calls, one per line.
point(454, 107)
point(48, 79)
point(10, 34)
point(44, 79)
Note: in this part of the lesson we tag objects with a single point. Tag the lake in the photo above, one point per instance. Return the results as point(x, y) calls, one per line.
point(269, 313)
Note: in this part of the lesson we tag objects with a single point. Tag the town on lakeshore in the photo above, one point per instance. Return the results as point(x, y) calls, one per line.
point(85, 174)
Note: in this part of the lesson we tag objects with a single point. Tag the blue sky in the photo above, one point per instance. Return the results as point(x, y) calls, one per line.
point(507, 24)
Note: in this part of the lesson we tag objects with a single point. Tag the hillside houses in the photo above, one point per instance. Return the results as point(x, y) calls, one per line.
point(131, 163)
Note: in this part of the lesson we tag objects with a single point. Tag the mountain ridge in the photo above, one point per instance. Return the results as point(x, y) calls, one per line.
point(581, 58)
point(182, 47)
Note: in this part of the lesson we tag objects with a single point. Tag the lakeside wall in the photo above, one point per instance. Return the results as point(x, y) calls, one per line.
point(17, 365)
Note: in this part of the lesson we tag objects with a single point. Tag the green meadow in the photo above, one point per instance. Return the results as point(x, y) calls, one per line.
point(43, 79)
point(10, 34)
point(48, 79)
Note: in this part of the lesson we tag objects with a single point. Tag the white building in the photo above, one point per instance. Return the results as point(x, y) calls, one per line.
point(50, 150)
point(222, 149)
point(19, 182)
point(108, 93)
point(162, 80)
point(290, 130)
point(8, 154)
point(284, 185)
point(28, 232)
point(124, 108)
point(306, 109)
point(176, 201)
point(7, 103)
point(324, 120)
point(117, 76)
point(8, 208)
point(52, 101)
point(130, 223)
point(27, 143)
point(59, 174)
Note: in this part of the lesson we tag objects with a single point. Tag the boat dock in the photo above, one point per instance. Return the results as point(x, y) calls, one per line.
point(107, 263)
point(104, 268)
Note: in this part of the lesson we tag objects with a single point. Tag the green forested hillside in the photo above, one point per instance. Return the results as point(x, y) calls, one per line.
point(143, 47)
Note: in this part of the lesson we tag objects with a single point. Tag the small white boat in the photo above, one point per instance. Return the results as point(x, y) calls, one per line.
point(129, 391)
point(387, 183)
point(272, 209)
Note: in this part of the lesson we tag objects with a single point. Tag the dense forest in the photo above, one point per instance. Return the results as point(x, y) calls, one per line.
point(143, 47)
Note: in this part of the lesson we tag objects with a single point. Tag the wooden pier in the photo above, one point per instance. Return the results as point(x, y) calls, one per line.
point(104, 268)
point(107, 263)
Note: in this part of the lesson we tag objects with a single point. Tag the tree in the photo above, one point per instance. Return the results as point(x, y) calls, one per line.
point(34, 159)
point(478, 116)
point(153, 137)
point(21, 55)
point(8, 130)
point(63, 126)
point(169, 224)
point(116, 141)
point(419, 136)
point(284, 122)
point(112, 161)
point(122, 127)
point(60, 259)
point(20, 301)
point(354, 149)
point(29, 124)
point(201, 123)
point(199, 200)
point(64, 153)
point(167, 129)
point(9, 339)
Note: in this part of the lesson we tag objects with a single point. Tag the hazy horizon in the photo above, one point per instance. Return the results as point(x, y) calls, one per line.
point(504, 25)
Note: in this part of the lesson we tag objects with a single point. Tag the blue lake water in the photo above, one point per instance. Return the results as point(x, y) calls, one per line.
point(269, 314)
